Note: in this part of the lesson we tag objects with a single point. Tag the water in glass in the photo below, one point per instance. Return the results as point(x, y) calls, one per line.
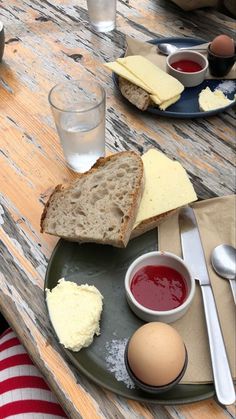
point(82, 138)
point(102, 14)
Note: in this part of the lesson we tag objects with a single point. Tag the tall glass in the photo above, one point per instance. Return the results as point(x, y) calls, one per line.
point(102, 14)
point(78, 109)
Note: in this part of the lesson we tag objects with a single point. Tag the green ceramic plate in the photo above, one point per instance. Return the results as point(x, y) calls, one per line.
point(105, 267)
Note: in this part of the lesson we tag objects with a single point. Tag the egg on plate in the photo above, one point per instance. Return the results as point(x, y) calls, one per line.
point(156, 354)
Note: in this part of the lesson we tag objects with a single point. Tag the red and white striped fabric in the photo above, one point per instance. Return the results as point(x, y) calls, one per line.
point(23, 391)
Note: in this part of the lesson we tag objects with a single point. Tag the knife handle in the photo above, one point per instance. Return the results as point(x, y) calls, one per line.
point(223, 381)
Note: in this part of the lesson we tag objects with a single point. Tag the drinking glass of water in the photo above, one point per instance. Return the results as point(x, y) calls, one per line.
point(78, 109)
point(102, 14)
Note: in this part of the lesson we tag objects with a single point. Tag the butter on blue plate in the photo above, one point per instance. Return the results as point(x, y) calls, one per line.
point(210, 100)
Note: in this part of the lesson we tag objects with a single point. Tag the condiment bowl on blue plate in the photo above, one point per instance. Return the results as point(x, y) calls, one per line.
point(189, 67)
point(159, 287)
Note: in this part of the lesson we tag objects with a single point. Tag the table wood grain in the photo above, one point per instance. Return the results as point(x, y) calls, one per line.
point(48, 42)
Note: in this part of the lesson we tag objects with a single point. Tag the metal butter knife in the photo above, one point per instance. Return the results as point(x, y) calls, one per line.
point(194, 256)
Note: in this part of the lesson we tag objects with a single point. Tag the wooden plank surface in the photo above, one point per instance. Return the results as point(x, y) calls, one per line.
point(48, 42)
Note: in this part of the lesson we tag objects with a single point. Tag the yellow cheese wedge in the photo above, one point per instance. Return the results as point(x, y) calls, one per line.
point(161, 84)
point(167, 186)
point(126, 74)
point(209, 100)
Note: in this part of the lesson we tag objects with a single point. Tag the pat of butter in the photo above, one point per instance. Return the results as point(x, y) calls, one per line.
point(75, 311)
point(167, 186)
point(161, 84)
point(209, 100)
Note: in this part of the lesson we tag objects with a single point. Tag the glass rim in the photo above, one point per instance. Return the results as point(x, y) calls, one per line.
point(93, 106)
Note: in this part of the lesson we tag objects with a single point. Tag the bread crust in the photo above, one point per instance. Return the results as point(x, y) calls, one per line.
point(46, 206)
point(130, 216)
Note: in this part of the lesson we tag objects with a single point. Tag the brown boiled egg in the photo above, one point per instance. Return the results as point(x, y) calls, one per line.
point(222, 45)
point(156, 354)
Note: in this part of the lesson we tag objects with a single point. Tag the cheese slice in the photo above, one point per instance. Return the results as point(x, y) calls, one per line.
point(75, 312)
point(209, 100)
point(166, 103)
point(161, 84)
point(126, 74)
point(167, 186)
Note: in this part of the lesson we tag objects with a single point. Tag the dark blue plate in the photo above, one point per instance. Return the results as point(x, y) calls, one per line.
point(187, 106)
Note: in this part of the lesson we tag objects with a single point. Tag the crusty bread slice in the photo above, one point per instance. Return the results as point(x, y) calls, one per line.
point(101, 205)
point(135, 94)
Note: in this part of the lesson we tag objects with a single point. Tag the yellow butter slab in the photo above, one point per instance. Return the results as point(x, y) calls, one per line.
point(126, 74)
point(167, 186)
point(209, 100)
point(161, 84)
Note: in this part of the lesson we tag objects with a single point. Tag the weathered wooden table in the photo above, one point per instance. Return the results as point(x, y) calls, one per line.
point(51, 41)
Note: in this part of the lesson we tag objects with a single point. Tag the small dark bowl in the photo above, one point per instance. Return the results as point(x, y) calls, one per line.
point(2, 40)
point(154, 389)
point(220, 66)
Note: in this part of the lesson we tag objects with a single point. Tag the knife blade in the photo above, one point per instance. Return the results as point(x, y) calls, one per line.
point(193, 255)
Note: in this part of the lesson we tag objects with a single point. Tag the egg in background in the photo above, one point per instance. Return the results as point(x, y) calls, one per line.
point(223, 45)
point(156, 354)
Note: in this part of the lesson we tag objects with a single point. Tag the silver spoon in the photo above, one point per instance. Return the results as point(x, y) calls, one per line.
point(223, 259)
point(167, 49)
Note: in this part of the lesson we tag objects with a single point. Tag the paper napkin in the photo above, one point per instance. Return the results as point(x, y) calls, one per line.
point(216, 222)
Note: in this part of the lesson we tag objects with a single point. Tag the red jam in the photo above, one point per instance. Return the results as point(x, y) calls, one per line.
point(159, 288)
point(188, 66)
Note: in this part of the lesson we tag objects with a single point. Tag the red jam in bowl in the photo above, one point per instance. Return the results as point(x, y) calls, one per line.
point(159, 288)
point(187, 66)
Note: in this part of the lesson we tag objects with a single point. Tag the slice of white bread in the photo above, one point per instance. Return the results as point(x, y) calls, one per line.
point(101, 205)
point(167, 187)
